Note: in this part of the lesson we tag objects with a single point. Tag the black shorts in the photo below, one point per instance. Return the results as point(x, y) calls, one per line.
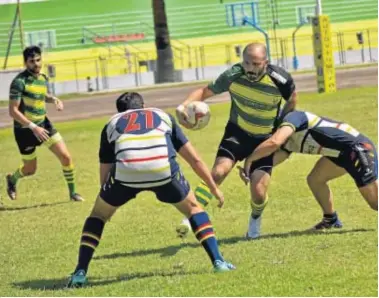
point(117, 194)
point(27, 141)
point(236, 144)
point(350, 161)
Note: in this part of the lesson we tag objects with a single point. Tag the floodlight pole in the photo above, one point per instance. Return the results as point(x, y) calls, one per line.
point(20, 25)
point(318, 7)
point(247, 20)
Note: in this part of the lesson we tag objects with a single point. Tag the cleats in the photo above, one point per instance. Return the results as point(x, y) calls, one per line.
point(76, 197)
point(77, 279)
point(11, 188)
point(254, 229)
point(222, 266)
point(324, 225)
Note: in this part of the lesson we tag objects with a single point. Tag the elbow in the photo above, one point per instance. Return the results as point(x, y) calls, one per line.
point(275, 145)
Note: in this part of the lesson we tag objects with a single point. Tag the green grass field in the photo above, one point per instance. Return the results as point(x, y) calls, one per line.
point(140, 255)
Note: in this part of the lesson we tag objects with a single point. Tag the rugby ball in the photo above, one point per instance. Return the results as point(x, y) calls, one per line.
point(198, 114)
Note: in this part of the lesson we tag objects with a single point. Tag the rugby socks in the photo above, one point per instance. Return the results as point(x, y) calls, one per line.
point(203, 231)
point(330, 218)
point(257, 209)
point(69, 175)
point(17, 175)
point(91, 235)
point(203, 194)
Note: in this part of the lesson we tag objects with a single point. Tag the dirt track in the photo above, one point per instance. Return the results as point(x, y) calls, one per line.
point(100, 105)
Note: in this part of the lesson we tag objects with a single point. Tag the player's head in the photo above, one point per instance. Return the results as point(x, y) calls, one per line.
point(33, 59)
point(255, 60)
point(129, 101)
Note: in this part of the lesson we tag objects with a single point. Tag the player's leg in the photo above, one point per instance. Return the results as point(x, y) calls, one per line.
point(365, 172)
point(325, 169)
point(26, 142)
point(111, 197)
point(228, 154)
point(260, 176)
point(178, 193)
point(28, 168)
point(56, 144)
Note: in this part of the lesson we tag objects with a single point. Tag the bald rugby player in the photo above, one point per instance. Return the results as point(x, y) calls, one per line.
point(257, 89)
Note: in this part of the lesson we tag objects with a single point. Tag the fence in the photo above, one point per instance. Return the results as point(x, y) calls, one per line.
point(118, 68)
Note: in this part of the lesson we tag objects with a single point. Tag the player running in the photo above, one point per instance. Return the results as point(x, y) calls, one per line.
point(343, 149)
point(138, 153)
point(256, 89)
point(27, 98)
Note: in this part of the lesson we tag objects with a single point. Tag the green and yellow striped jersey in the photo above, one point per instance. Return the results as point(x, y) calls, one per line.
point(255, 104)
point(31, 91)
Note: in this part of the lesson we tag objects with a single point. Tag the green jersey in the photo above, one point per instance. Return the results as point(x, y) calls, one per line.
point(255, 104)
point(31, 92)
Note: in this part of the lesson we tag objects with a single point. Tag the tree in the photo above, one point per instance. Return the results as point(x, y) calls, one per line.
point(165, 64)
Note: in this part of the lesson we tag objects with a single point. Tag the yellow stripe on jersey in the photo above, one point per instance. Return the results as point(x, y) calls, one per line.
point(34, 117)
point(253, 94)
point(138, 138)
point(35, 103)
point(255, 129)
point(136, 172)
point(36, 89)
point(255, 112)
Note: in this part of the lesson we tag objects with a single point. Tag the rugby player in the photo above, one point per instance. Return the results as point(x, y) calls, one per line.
point(138, 153)
point(27, 98)
point(343, 148)
point(256, 89)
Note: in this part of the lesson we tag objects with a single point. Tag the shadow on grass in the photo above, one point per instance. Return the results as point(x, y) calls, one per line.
point(4, 208)
point(173, 249)
point(60, 284)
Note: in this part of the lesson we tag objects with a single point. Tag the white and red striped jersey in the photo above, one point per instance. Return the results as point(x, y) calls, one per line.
point(142, 144)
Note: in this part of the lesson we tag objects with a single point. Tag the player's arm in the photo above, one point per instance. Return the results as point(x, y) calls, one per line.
point(290, 104)
point(106, 156)
point(189, 154)
point(269, 146)
point(15, 94)
point(220, 85)
point(49, 98)
point(288, 91)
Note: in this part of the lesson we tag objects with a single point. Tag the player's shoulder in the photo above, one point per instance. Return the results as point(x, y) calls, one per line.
point(278, 74)
point(235, 71)
point(44, 76)
point(21, 76)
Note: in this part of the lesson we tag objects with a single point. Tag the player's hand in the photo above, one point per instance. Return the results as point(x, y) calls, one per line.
point(41, 134)
point(182, 116)
point(219, 196)
point(59, 104)
point(243, 175)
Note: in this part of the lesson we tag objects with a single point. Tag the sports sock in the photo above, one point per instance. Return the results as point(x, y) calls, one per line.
point(18, 174)
point(257, 209)
point(69, 175)
point(203, 231)
point(330, 218)
point(91, 235)
point(203, 194)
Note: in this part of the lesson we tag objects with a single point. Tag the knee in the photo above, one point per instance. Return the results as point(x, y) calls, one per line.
point(219, 174)
point(66, 159)
point(314, 180)
point(258, 192)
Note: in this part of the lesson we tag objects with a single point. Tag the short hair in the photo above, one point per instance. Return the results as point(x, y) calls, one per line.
point(30, 52)
point(129, 101)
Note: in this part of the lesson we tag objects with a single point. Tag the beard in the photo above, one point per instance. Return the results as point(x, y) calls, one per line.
point(256, 74)
point(35, 69)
